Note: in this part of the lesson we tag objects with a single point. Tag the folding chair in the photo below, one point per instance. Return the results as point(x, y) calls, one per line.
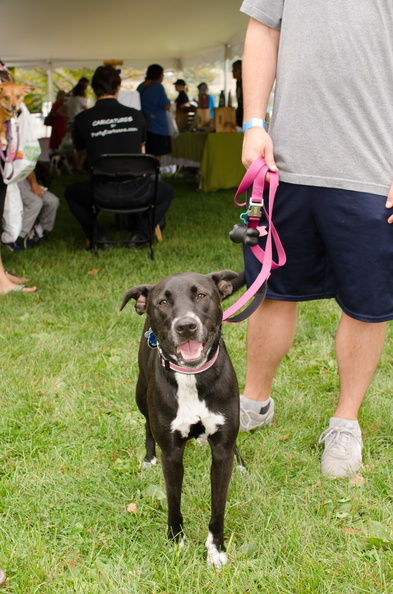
point(120, 168)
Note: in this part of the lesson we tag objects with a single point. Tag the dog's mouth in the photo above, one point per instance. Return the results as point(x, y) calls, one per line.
point(190, 351)
point(9, 109)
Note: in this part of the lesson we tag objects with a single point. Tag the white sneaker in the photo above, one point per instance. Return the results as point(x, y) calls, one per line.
point(342, 456)
point(250, 419)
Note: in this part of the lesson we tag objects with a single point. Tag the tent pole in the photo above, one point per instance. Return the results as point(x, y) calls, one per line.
point(226, 68)
point(50, 82)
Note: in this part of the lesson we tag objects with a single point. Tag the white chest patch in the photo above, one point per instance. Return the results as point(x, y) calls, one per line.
point(192, 410)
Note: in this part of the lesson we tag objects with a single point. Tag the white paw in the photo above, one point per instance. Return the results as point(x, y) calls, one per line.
point(179, 544)
point(215, 558)
point(241, 469)
point(146, 465)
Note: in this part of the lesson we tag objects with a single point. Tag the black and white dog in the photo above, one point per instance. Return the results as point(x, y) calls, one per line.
point(187, 387)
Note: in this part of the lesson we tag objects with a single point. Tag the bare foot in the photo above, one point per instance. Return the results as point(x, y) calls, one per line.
point(16, 279)
point(9, 287)
point(3, 577)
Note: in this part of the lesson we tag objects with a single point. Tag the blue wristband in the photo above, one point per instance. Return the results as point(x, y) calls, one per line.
point(254, 122)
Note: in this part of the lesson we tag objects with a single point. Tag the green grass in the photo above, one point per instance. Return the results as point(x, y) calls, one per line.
point(72, 439)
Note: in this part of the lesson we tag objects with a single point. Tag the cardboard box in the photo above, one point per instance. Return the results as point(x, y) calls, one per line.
point(185, 118)
point(203, 120)
point(225, 119)
point(181, 119)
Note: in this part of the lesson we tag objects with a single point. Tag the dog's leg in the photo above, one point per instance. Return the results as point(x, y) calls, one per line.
point(173, 470)
point(221, 471)
point(239, 460)
point(150, 443)
point(150, 458)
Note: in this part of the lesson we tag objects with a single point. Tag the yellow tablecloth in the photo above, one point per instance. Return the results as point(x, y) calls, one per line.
point(221, 165)
point(189, 145)
point(218, 153)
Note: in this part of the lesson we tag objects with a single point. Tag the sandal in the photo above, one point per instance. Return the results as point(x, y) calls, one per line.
point(23, 289)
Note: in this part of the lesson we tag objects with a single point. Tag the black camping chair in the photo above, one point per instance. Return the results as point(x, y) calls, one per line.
point(120, 168)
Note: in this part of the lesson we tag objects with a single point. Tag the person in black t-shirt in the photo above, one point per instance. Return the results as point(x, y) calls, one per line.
point(182, 99)
point(111, 128)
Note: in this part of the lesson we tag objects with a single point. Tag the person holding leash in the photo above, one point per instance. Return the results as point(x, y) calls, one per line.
point(331, 140)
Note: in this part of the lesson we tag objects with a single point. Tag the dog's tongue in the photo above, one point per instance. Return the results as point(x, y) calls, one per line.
point(190, 350)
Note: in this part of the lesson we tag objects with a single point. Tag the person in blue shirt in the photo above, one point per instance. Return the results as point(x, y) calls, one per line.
point(155, 104)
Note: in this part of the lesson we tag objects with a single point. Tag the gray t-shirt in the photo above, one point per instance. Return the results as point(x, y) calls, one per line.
point(332, 122)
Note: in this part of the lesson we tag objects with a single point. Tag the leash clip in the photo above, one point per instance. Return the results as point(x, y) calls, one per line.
point(254, 210)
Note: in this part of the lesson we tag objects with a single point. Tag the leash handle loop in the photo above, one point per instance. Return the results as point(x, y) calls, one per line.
point(256, 176)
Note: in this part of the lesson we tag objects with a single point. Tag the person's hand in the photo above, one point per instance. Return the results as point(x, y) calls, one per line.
point(257, 143)
point(38, 190)
point(389, 203)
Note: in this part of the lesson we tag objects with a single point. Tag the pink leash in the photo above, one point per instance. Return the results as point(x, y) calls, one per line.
point(7, 156)
point(256, 177)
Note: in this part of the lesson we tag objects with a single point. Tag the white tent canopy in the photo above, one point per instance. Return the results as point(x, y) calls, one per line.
point(173, 33)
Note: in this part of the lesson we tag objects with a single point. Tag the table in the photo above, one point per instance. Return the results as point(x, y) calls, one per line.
point(218, 155)
point(189, 146)
point(221, 165)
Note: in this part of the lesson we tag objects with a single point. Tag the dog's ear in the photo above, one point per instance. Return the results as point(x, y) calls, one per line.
point(26, 89)
point(140, 294)
point(227, 281)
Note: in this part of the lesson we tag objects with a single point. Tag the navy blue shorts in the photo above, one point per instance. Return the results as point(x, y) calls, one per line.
point(338, 244)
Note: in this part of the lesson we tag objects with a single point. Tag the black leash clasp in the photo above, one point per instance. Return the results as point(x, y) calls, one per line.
point(247, 233)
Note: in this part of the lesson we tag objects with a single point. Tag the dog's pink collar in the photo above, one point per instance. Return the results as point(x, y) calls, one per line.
point(168, 365)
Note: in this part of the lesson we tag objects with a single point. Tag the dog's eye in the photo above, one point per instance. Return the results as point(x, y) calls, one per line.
point(164, 302)
point(200, 296)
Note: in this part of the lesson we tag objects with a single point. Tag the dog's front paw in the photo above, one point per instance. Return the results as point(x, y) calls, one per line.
point(147, 464)
point(242, 469)
point(180, 542)
point(215, 558)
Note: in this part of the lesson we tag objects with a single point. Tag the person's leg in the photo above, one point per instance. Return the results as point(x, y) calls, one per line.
point(270, 333)
point(164, 198)
point(359, 347)
point(79, 201)
point(363, 272)
point(358, 350)
point(32, 205)
point(306, 275)
point(48, 212)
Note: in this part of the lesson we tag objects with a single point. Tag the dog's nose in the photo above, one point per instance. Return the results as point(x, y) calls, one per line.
point(186, 327)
